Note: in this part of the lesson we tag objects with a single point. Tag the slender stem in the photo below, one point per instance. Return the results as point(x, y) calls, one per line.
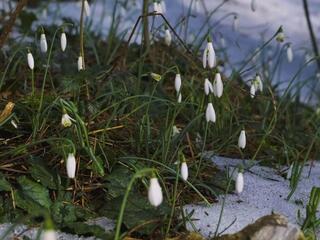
point(146, 37)
point(138, 174)
point(312, 36)
point(32, 83)
point(202, 150)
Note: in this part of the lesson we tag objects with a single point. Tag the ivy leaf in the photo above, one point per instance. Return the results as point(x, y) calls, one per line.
point(35, 191)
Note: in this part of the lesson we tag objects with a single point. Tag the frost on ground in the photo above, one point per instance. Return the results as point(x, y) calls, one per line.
point(265, 191)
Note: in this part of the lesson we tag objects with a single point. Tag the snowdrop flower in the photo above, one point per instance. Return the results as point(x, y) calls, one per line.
point(87, 9)
point(242, 139)
point(280, 36)
point(66, 120)
point(71, 165)
point(184, 170)
point(218, 86)
point(207, 86)
point(209, 55)
point(258, 83)
point(43, 43)
point(63, 41)
point(14, 124)
point(80, 63)
point(175, 130)
point(210, 113)
point(156, 76)
point(48, 234)
point(253, 5)
point(177, 82)
point(289, 53)
point(235, 24)
point(157, 7)
point(155, 192)
point(239, 182)
point(30, 60)
point(167, 37)
point(252, 90)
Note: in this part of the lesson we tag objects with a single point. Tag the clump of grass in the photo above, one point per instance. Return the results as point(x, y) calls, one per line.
point(122, 124)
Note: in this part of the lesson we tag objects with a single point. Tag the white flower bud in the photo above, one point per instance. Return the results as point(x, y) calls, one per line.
point(209, 55)
point(66, 120)
point(71, 165)
point(30, 60)
point(252, 90)
point(157, 7)
point(207, 86)
point(175, 130)
point(87, 9)
point(43, 43)
point(218, 86)
point(155, 192)
point(177, 82)
point(63, 41)
point(167, 37)
point(184, 171)
point(49, 234)
point(289, 54)
point(242, 141)
point(80, 63)
point(239, 183)
point(280, 36)
point(14, 124)
point(258, 83)
point(210, 113)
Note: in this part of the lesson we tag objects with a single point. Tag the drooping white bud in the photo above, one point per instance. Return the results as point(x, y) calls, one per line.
point(252, 90)
point(43, 43)
point(207, 86)
point(175, 130)
point(258, 83)
point(71, 165)
point(49, 234)
point(167, 37)
point(14, 124)
point(63, 41)
point(155, 192)
point(289, 53)
point(66, 120)
point(177, 82)
point(210, 113)
point(242, 141)
point(253, 5)
point(87, 10)
point(280, 36)
point(184, 171)
point(80, 63)
point(239, 183)
point(209, 55)
point(218, 86)
point(30, 60)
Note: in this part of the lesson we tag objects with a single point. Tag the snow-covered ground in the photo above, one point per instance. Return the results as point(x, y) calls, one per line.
point(265, 191)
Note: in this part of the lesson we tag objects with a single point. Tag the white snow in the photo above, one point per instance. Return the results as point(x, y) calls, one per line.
point(264, 191)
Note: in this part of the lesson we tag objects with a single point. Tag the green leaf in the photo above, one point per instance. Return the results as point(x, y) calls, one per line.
point(4, 184)
point(81, 228)
point(26, 203)
point(43, 174)
point(35, 191)
point(118, 181)
point(138, 211)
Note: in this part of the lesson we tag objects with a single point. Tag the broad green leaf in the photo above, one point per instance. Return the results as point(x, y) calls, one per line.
point(28, 204)
point(81, 228)
point(35, 191)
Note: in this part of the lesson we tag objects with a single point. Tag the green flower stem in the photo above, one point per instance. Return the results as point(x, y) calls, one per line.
point(202, 150)
point(139, 174)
